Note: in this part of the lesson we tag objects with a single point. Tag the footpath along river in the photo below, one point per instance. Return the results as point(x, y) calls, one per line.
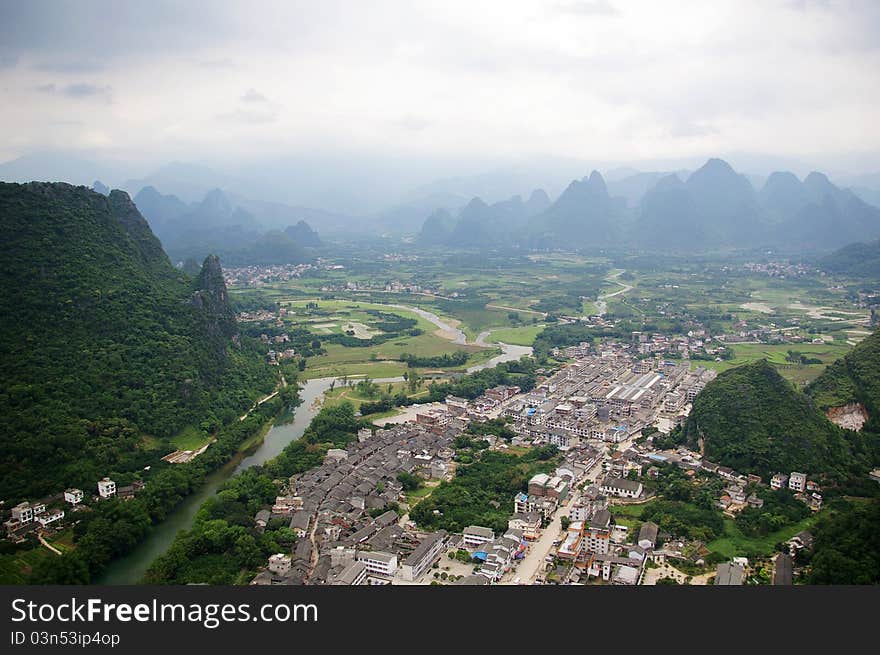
point(131, 568)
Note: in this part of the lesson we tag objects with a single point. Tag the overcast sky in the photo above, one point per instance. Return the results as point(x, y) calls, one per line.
point(608, 80)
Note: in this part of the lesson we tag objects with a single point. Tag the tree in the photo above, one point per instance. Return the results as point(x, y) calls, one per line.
point(565, 522)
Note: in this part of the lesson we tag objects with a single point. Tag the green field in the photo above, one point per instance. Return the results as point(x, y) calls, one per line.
point(775, 354)
point(15, 567)
point(517, 336)
point(353, 395)
point(190, 438)
point(733, 543)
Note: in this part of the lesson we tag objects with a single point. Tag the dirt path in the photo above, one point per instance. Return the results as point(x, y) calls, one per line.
point(517, 309)
point(48, 545)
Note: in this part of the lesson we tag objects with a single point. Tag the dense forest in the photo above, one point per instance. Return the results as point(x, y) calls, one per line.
point(751, 419)
point(106, 350)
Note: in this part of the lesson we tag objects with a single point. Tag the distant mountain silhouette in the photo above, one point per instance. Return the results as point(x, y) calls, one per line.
point(479, 225)
point(303, 234)
point(584, 215)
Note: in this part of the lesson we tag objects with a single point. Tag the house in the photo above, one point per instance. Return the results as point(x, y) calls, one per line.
point(779, 481)
point(23, 513)
point(538, 483)
point(476, 535)
point(648, 535)
point(782, 570)
point(625, 575)
point(754, 501)
point(528, 522)
point(729, 574)
point(261, 519)
point(73, 496)
point(597, 534)
point(352, 575)
point(378, 562)
point(622, 488)
point(45, 518)
point(797, 481)
point(424, 555)
point(726, 473)
point(106, 488)
point(279, 564)
point(801, 540)
point(299, 523)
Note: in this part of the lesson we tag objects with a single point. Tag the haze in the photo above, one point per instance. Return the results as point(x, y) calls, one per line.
point(352, 105)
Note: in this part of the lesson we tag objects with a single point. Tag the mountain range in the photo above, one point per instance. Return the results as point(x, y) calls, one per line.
point(219, 225)
point(713, 207)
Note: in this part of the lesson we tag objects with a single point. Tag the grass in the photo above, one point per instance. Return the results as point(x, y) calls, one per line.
point(15, 567)
point(190, 438)
point(775, 354)
point(734, 543)
point(414, 497)
point(518, 336)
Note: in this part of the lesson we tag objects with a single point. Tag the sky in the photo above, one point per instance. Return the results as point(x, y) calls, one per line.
point(463, 83)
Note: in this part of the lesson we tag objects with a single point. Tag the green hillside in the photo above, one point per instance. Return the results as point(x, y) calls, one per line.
point(106, 350)
point(852, 378)
point(751, 419)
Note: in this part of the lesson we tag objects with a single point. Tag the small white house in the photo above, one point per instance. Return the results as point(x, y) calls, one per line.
point(106, 488)
point(73, 496)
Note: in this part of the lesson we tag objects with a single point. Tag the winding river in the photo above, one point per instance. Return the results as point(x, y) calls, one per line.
point(131, 568)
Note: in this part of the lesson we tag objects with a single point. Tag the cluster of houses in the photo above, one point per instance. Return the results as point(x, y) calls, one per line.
point(804, 489)
point(28, 516)
point(339, 510)
point(607, 394)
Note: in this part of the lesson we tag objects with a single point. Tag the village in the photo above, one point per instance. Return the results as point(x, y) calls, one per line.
point(602, 413)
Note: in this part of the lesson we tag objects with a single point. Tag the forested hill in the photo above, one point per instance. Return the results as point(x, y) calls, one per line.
point(854, 378)
point(754, 421)
point(106, 350)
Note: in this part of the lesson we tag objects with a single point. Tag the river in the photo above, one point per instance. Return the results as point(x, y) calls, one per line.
point(131, 568)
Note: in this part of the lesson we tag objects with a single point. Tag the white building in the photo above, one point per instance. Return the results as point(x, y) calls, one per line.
point(797, 481)
point(378, 562)
point(425, 554)
point(106, 488)
point(476, 535)
point(46, 518)
point(622, 488)
point(73, 496)
point(779, 481)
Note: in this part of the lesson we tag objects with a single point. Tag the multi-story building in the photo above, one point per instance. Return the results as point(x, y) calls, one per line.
point(476, 535)
point(797, 481)
point(378, 563)
point(106, 488)
point(425, 554)
point(73, 496)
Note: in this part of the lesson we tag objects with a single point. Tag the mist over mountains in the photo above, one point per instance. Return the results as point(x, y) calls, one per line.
point(713, 207)
point(195, 209)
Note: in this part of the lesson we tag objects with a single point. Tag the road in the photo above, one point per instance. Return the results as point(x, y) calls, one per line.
point(518, 309)
point(601, 304)
point(533, 563)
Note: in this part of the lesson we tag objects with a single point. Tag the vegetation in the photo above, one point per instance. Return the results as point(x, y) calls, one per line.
point(751, 419)
point(224, 546)
point(845, 545)
point(481, 493)
point(103, 342)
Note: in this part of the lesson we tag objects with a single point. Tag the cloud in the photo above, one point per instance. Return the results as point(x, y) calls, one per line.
point(589, 8)
point(412, 122)
point(77, 90)
point(252, 95)
point(248, 117)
